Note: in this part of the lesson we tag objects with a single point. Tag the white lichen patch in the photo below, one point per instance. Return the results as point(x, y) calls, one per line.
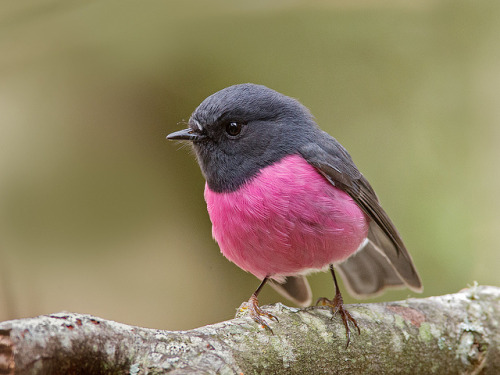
point(210, 330)
point(464, 347)
point(397, 345)
point(263, 339)
point(327, 313)
point(169, 362)
point(442, 343)
point(196, 340)
point(435, 331)
point(319, 326)
point(327, 336)
point(234, 331)
point(160, 347)
point(284, 349)
point(307, 319)
point(66, 341)
point(467, 326)
point(159, 336)
point(134, 369)
point(172, 349)
point(280, 307)
point(399, 322)
point(303, 328)
point(110, 349)
point(155, 357)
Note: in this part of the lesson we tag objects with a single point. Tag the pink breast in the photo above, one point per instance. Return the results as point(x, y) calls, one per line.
point(286, 220)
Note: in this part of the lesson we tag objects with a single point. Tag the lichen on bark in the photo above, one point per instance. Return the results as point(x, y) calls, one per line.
point(457, 333)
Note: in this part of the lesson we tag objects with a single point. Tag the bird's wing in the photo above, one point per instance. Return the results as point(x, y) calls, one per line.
point(369, 272)
point(384, 242)
point(295, 288)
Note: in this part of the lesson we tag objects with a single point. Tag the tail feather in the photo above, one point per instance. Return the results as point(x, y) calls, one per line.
point(295, 288)
point(378, 266)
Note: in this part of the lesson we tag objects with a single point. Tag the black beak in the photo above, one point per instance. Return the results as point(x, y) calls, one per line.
point(185, 135)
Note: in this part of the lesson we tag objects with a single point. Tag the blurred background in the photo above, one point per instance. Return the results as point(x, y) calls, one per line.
point(100, 214)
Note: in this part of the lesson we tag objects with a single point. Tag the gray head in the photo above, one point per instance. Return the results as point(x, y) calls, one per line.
point(243, 128)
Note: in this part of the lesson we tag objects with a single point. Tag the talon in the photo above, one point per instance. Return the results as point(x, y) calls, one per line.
point(257, 313)
point(337, 306)
point(322, 301)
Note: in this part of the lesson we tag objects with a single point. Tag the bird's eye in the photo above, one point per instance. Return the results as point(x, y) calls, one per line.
point(233, 128)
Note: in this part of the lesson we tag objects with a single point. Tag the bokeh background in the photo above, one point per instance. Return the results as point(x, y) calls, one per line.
point(100, 214)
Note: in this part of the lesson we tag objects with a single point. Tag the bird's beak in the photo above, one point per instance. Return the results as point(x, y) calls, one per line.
point(185, 135)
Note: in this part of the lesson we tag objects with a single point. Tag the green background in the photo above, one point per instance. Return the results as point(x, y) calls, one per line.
point(100, 214)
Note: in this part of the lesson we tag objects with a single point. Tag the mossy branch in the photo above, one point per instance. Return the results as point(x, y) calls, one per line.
point(457, 333)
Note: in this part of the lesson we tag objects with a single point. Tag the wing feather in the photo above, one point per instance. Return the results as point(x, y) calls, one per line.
point(333, 162)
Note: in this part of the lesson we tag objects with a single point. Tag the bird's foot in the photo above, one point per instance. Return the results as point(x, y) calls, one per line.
point(337, 306)
point(257, 314)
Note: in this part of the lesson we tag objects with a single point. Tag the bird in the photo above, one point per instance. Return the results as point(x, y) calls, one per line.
point(285, 199)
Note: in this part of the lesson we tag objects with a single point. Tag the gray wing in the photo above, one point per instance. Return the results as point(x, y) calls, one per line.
point(384, 259)
point(369, 271)
point(295, 288)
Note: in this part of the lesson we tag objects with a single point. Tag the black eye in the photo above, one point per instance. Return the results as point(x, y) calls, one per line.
point(233, 128)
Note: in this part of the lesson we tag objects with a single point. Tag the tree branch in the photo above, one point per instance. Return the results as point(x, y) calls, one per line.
point(458, 333)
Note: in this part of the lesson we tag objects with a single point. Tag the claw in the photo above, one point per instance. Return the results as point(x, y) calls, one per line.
point(337, 306)
point(257, 313)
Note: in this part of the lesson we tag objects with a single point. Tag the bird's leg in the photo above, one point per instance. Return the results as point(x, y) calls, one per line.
point(255, 311)
point(337, 306)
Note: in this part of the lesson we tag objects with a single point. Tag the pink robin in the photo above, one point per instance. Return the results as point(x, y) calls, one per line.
point(285, 199)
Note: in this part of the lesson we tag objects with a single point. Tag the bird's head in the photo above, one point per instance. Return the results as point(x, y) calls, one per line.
point(243, 128)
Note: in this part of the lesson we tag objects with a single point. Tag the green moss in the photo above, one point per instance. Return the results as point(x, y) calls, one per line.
point(424, 332)
point(399, 321)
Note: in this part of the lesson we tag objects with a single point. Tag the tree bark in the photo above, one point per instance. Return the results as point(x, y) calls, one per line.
point(451, 334)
